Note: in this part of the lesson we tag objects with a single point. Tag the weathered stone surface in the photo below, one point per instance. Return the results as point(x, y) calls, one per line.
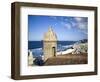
point(49, 44)
point(30, 58)
point(68, 59)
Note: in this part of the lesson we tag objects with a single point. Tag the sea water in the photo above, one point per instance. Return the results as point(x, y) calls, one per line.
point(37, 47)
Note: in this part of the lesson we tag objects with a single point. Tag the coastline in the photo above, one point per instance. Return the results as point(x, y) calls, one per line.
point(71, 54)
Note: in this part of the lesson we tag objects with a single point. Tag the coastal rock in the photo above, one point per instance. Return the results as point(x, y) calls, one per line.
point(80, 48)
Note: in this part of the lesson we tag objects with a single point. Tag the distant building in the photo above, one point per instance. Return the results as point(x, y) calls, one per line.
point(49, 44)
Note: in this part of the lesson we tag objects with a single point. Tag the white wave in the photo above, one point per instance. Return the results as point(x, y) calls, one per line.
point(37, 49)
point(68, 46)
point(65, 52)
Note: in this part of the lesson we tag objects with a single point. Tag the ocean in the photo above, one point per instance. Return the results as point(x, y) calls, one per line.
point(37, 46)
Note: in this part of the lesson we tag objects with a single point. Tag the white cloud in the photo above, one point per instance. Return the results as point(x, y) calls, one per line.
point(76, 22)
point(78, 19)
point(66, 19)
point(83, 31)
point(73, 24)
point(82, 26)
point(53, 17)
point(67, 25)
point(55, 24)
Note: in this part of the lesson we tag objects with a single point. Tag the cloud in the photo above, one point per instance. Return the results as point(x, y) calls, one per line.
point(53, 17)
point(78, 19)
point(55, 23)
point(81, 23)
point(74, 24)
point(83, 31)
point(66, 19)
point(82, 26)
point(67, 25)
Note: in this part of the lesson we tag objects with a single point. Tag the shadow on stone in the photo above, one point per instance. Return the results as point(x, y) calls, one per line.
point(38, 61)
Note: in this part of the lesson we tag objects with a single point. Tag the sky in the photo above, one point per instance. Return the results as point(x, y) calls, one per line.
point(66, 28)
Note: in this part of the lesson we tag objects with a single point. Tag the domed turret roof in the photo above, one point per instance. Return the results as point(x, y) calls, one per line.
point(50, 35)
